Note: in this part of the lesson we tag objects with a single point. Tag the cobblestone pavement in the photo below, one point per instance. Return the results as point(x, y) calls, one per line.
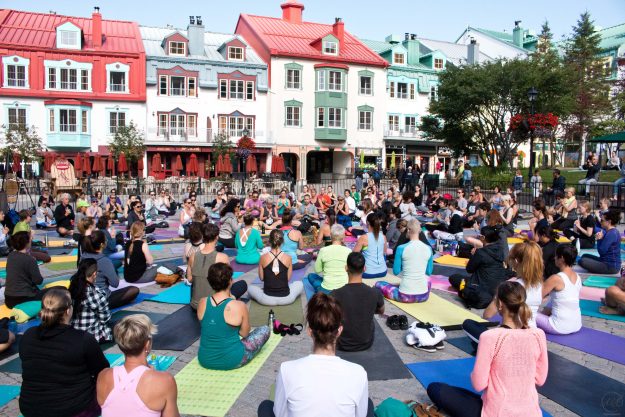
point(293, 347)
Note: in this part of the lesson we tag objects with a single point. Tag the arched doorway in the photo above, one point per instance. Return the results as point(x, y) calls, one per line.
point(290, 161)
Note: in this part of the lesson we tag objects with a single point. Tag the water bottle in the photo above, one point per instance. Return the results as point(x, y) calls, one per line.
point(152, 361)
point(272, 317)
point(577, 245)
point(454, 245)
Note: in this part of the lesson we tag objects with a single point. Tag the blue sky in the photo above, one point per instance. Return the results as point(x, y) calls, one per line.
point(371, 19)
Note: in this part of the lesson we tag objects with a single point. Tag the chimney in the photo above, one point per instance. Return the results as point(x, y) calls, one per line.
point(412, 45)
point(339, 30)
point(473, 53)
point(195, 33)
point(292, 11)
point(96, 27)
point(517, 34)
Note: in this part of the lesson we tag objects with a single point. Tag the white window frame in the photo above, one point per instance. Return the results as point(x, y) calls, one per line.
point(365, 120)
point(321, 80)
point(412, 88)
point(249, 90)
point(17, 109)
point(330, 47)
point(170, 45)
point(294, 119)
point(223, 88)
point(69, 127)
point(365, 91)
point(51, 121)
point(163, 124)
point(112, 127)
point(68, 64)
point(191, 125)
point(234, 52)
point(15, 61)
point(163, 79)
point(121, 68)
point(403, 94)
point(401, 61)
point(410, 124)
point(294, 79)
point(391, 89)
point(393, 122)
point(239, 89)
point(64, 30)
point(182, 91)
point(433, 93)
point(335, 118)
point(321, 117)
point(192, 92)
point(335, 84)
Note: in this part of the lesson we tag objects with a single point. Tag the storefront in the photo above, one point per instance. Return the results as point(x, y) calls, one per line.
point(368, 158)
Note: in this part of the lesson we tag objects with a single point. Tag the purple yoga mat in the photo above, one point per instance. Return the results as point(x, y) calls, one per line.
point(237, 267)
point(297, 275)
point(602, 344)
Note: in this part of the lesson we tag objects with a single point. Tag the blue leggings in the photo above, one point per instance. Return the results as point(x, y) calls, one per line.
point(315, 281)
point(376, 275)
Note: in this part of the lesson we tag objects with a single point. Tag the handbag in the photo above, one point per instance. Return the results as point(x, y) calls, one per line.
point(166, 280)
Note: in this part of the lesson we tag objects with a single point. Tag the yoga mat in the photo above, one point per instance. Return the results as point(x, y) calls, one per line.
point(123, 284)
point(591, 309)
point(230, 252)
point(581, 270)
point(177, 331)
point(514, 240)
point(62, 251)
point(455, 372)
point(62, 266)
point(115, 359)
point(158, 362)
point(140, 298)
point(451, 260)
point(8, 393)
point(447, 270)
point(595, 342)
point(381, 360)
point(441, 283)
point(237, 267)
point(287, 314)
point(591, 293)
point(599, 281)
point(212, 393)
point(179, 293)
point(120, 314)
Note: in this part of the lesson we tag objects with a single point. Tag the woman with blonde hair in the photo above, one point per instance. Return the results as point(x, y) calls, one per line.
point(493, 219)
point(508, 213)
point(138, 262)
point(584, 227)
point(60, 364)
point(133, 389)
point(568, 213)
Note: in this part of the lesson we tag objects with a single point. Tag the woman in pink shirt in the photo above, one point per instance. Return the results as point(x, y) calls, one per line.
point(511, 360)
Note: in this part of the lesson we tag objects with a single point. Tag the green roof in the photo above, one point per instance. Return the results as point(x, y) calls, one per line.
point(612, 37)
point(507, 36)
point(613, 138)
point(377, 46)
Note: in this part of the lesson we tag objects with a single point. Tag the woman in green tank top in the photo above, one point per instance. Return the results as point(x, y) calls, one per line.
point(222, 321)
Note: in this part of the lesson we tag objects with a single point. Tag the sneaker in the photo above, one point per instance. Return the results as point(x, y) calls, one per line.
point(403, 322)
point(440, 345)
point(393, 322)
point(429, 349)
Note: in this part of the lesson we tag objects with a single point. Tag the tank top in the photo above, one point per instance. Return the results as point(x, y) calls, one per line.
point(533, 300)
point(200, 287)
point(123, 399)
point(289, 246)
point(375, 262)
point(276, 285)
point(566, 316)
point(220, 345)
point(135, 263)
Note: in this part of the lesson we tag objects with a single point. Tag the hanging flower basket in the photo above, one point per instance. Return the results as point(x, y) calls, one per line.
point(245, 146)
point(541, 124)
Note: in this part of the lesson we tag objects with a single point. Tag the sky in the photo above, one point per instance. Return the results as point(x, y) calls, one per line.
point(368, 19)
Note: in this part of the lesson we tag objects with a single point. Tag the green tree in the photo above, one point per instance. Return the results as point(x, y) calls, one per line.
point(23, 141)
point(222, 145)
point(129, 140)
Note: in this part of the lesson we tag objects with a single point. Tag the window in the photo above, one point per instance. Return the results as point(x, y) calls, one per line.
point(67, 120)
point(293, 77)
point(51, 77)
point(192, 89)
point(191, 125)
point(391, 89)
point(402, 90)
point(293, 116)
point(335, 117)
point(117, 81)
point(84, 80)
point(321, 80)
point(235, 53)
point(84, 121)
point(17, 118)
point(366, 86)
point(234, 125)
point(223, 89)
point(68, 75)
point(393, 123)
point(398, 58)
point(162, 125)
point(412, 91)
point(249, 90)
point(16, 76)
point(223, 124)
point(236, 89)
point(438, 63)
point(410, 124)
point(321, 122)
point(51, 125)
point(162, 85)
point(176, 124)
point(177, 86)
point(433, 93)
point(117, 119)
point(177, 48)
point(364, 120)
point(69, 37)
point(249, 125)
point(335, 81)
point(330, 48)
point(69, 79)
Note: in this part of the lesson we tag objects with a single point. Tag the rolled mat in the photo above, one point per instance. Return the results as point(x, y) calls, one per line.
point(591, 293)
point(60, 283)
point(455, 372)
point(514, 240)
point(381, 360)
point(451, 260)
point(287, 314)
point(177, 331)
point(225, 386)
point(25, 311)
point(580, 270)
point(595, 342)
point(591, 309)
point(8, 393)
point(597, 281)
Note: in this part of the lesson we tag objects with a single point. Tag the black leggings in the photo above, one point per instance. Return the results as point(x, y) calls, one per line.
point(594, 264)
point(456, 279)
point(563, 224)
point(584, 241)
point(265, 409)
point(455, 401)
point(228, 243)
point(122, 297)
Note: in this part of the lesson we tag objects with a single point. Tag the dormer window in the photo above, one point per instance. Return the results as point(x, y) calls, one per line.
point(438, 63)
point(399, 59)
point(68, 36)
point(235, 53)
point(177, 48)
point(330, 48)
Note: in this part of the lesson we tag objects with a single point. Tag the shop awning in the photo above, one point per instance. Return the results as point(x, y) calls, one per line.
point(613, 138)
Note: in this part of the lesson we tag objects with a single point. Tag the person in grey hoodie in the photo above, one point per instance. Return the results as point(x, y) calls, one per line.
point(107, 274)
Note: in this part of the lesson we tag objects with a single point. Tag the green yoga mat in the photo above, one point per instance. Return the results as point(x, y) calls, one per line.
point(62, 266)
point(599, 282)
point(591, 309)
point(211, 393)
point(179, 293)
point(287, 314)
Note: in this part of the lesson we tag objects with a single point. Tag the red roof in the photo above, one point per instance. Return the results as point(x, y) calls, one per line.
point(283, 38)
point(38, 30)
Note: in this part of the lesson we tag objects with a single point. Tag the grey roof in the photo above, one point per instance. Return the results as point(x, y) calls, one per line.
point(456, 53)
point(153, 38)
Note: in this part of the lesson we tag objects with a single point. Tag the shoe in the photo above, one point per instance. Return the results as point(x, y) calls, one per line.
point(393, 322)
point(440, 345)
point(429, 349)
point(403, 322)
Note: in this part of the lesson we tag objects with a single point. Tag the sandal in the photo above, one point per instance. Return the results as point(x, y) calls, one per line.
point(296, 329)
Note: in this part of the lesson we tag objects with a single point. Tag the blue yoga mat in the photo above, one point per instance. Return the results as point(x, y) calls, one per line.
point(591, 309)
point(7, 393)
point(455, 372)
point(140, 298)
point(179, 293)
point(158, 362)
point(155, 248)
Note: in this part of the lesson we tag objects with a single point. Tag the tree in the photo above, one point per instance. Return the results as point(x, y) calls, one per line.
point(129, 140)
point(222, 145)
point(23, 141)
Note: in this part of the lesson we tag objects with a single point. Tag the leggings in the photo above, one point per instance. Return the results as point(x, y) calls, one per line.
point(543, 322)
point(473, 329)
point(358, 232)
point(593, 263)
point(455, 401)
point(376, 275)
point(257, 294)
point(584, 241)
point(122, 297)
point(315, 281)
point(392, 292)
point(265, 409)
point(148, 276)
point(227, 242)
point(254, 342)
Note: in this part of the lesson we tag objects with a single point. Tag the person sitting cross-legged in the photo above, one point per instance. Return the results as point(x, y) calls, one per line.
point(248, 242)
point(330, 265)
point(293, 240)
point(359, 303)
point(275, 269)
point(226, 341)
point(373, 247)
point(614, 299)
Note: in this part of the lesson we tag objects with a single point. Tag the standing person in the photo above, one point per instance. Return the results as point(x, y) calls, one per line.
point(517, 183)
point(536, 184)
point(409, 179)
point(359, 303)
point(226, 341)
point(460, 173)
point(373, 247)
point(467, 177)
point(60, 364)
point(608, 246)
point(618, 183)
point(511, 360)
point(138, 261)
point(248, 242)
point(229, 222)
point(557, 186)
point(64, 217)
point(592, 174)
point(358, 180)
point(401, 177)
point(134, 389)
point(330, 265)
point(300, 383)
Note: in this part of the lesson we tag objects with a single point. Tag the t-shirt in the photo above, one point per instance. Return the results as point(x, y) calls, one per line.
point(309, 210)
point(359, 303)
point(21, 227)
point(587, 222)
point(331, 262)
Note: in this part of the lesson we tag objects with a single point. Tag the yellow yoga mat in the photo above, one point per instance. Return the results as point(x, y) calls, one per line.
point(5, 311)
point(563, 239)
point(56, 243)
point(55, 260)
point(212, 393)
point(439, 311)
point(451, 260)
point(514, 240)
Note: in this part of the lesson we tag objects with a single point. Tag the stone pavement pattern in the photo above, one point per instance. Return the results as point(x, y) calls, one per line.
point(293, 347)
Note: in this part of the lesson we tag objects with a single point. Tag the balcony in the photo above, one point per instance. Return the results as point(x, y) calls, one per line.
point(394, 131)
point(190, 135)
point(68, 139)
point(117, 88)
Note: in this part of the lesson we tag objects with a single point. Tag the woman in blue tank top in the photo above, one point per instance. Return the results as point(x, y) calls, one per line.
point(293, 242)
point(373, 246)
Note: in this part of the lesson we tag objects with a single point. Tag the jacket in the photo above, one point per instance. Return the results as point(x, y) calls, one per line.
point(487, 268)
point(558, 184)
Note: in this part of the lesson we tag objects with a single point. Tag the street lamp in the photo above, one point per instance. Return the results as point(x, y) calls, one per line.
point(244, 154)
point(532, 95)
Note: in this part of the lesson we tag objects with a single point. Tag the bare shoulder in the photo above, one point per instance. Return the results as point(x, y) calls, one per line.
point(222, 258)
point(163, 381)
point(105, 376)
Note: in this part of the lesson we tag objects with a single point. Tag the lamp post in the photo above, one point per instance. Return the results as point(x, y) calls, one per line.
point(532, 95)
point(244, 154)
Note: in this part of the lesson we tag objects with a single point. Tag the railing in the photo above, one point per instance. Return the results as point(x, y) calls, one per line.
point(180, 134)
point(408, 131)
point(16, 82)
point(117, 87)
point(173, 91)
point(67, 127)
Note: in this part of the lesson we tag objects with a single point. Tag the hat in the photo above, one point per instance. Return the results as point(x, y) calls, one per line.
point(81, 203)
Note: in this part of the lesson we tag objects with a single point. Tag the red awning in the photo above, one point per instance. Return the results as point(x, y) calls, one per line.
point(110, 164)
point(122, 164)
point(192, 166)
point(78, 165)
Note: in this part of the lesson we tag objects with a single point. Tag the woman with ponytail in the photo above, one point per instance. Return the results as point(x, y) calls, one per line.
point(301, 383)
point(107, 274)
point(373, 246)
point(60, 363)
point(511, 361)
point(90, 304)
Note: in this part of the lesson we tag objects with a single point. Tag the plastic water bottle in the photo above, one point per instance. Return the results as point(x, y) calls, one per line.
point(271, 319)
point(454, 246)
point(577, 245)
point(153, 361)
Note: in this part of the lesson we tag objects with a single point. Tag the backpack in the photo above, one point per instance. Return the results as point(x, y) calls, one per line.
point(424, 334)
point(12, 218)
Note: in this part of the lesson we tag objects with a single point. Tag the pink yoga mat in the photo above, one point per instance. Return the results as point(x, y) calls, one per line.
point(593, 294)
point(441, 282)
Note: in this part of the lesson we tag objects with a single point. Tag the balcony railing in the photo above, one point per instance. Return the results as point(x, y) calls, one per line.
point(406, 132)
point(194, 135)
point(173, 91)
point(67, 127)
point(117, 88)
